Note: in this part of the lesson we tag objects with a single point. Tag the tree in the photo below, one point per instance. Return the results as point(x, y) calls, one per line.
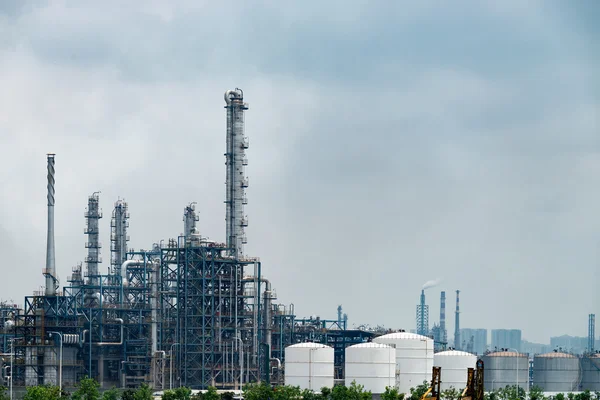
point(357, 392)
point(536, 393)
point(143, 393)
point(111, 394)
point(559, 396)
point(3, 395)
point(391, 393)
point(42, 393)
point(419, 391)
point(128, 394)
point(257, 391)
point(87, 389)
point(451, 393)
point(211, 394)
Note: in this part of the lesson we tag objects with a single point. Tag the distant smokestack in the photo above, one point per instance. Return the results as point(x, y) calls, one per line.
point(443, 333)
point(50, 272)
point(422, 316)
point(591, 332)
point(457, 345)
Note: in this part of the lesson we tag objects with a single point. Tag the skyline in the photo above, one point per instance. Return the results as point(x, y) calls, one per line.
point(389, 146)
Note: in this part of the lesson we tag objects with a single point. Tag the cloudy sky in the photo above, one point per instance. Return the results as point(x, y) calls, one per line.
point(390, 144)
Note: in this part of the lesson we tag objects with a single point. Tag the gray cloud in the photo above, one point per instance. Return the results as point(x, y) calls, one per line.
point(389, 145)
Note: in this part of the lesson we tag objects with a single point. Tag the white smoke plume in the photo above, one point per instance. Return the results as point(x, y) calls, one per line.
point(430, 284)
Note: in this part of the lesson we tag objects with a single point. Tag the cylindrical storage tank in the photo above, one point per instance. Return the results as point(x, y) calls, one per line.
point(372, 365)
point(309, 365)
point(454, 366)
point(505, 368)
point(556, 372)
point(414, 358)
point(590, 373)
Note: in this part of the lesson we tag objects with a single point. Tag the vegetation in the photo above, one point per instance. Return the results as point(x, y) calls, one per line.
point(88, 389)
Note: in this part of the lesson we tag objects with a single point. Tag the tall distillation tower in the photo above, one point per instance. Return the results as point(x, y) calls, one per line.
point(236, 181)
point(443, 332)
point(118, 237)
point(93, 215)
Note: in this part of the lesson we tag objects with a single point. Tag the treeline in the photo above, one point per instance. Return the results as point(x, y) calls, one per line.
point(89, 389)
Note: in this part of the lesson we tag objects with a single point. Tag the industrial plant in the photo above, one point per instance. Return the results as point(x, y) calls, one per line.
point(194, 312)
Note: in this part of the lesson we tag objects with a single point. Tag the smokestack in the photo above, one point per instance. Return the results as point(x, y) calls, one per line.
point(591, 332)
point(422, 316)
point(443, 334)
point(50, 272)
point(457, 345)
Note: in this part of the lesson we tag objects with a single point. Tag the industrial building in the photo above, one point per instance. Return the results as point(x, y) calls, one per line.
point(474, 340)
point(189, 311)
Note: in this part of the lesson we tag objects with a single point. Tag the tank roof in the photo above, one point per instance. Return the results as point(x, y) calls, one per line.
point(370, 345)
point(556, 355)
point(454, 353)
point(506, 354)
point(311, 345)
point(403, 335)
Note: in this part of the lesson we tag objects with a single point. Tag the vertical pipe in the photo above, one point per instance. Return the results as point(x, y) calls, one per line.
point(50, 254)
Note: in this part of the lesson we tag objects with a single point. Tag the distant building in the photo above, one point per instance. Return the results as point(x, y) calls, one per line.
point(535, 348)
point(506, 338)
point(474, 340)
point(569, 344)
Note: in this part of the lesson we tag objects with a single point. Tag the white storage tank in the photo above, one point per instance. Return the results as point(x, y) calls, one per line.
point(372, 365)
point(309, 365)
point(454, 366)
point(556, 372)
point(590, 373)
point(414, 358)
point(505, 368)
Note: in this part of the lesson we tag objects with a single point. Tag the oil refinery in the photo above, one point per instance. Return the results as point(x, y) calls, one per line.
point(194, 312)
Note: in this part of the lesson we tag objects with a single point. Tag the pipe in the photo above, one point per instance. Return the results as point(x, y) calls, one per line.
point(51, 286)
point(120, 320)
point(129, 263)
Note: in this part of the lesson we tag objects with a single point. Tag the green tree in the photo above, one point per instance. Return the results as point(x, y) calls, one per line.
point(42, 393)
point(257, 391)
point(339, 393)
point(211, 394)
point(451, 393)
point(310, 395)
point(128, 394)
point(559, 396)
point(285, 393)
point(536, 393)
point(391, 393)
point(357, 392)
point(87, 389)
point(143, 393)
point(3, 395)
point(226, 395)
point(418, 392)
point(111, 394)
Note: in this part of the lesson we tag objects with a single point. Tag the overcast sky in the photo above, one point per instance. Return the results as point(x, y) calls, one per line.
point(390, 143)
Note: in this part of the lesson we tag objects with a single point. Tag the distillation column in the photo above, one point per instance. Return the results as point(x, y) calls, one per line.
point(118, 238)
point(50, 271)
point(189, 219)
point(93, 215)
point(236, 182)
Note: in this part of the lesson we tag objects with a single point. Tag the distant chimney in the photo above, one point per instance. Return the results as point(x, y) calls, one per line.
point(443, 332)
point(457, 344)
point(50, 272)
